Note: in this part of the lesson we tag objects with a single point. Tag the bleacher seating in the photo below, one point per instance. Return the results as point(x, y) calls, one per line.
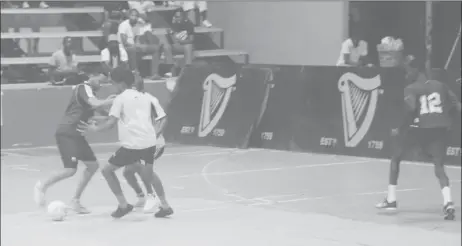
point(94, 57)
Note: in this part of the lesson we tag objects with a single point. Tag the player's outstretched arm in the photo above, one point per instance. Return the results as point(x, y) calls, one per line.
point(454, 100)
point(98, 103)
point(86, 128)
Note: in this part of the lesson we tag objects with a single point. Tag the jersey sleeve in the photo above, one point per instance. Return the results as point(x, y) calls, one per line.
point(345, 47)
point(105, 57)
point(84, 92)
point(410, 98)
point(123, 54)
point(116, 108)
point(53, 60)
point(158, 111)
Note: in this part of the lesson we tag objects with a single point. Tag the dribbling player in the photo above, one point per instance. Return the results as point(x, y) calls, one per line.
point(72, 146)
point(132, 110)
point(149, 202)
point(428, 119)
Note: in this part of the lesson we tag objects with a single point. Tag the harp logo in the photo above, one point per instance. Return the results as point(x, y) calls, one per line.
point(359, 102)
point(217, 92)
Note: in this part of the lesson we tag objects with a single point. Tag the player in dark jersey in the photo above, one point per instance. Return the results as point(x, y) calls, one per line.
point(429, 104)
point(72, 146)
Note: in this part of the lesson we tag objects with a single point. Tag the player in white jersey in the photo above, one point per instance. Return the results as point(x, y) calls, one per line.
point(149, 202)
point(132, 110)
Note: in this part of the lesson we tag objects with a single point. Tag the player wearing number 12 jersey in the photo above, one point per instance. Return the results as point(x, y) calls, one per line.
point(429, 105)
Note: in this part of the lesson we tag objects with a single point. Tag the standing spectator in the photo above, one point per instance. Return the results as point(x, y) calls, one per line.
point(353, 52)
point(190, 7)
point(138, 42)
point(64, 67)
point(114, 55)
point(181, 38)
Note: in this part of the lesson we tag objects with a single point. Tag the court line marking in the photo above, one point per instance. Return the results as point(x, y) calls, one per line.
point(266, 169)
point(331, 196)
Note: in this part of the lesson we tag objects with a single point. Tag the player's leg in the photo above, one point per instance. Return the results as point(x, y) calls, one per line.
point(152, 202)
point(129, 174)
point(165, 209)
point(67, 147)
point(121, 158)
point(400, 146)
point(87, 156)
point(436, 148)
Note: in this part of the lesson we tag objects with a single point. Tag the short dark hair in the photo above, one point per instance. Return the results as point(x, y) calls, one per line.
point(123, 75)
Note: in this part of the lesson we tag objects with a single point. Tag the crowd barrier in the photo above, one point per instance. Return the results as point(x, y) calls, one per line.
point(29, 116)
point(333, 110)
point(216, 105)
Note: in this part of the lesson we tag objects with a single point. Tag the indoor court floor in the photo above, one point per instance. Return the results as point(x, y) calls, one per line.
point(235, 197)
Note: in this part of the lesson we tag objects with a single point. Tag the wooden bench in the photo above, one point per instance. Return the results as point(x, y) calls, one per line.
point(18, 11)
point(99, 33)
point(5, 61)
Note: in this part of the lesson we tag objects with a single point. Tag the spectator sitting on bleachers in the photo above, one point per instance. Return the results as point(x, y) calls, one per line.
point(353, 52)
point(190, 6)
point(113, 55)
point(141, 41)
point(42, 5)
point(142, 6)
point(181, 38)
point(64, 67)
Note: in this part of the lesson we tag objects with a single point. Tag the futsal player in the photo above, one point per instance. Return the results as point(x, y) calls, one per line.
point(149, 202)
point(132, 111)
point(72, 146)
point(429, 104)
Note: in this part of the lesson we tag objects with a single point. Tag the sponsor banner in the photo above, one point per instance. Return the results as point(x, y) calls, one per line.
point(334, 110)
point(285, 97)
point(216, 105)
point(348, 111)
point(30, 116)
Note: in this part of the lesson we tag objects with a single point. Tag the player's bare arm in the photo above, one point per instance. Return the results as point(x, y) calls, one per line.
point(454, 100)
point(160, 125)
point(109, 123)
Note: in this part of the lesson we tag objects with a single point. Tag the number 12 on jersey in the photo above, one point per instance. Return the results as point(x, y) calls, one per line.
point(430, 104)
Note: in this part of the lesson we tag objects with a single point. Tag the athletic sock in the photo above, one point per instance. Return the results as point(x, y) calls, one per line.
point(391, 193)
point(446, 195)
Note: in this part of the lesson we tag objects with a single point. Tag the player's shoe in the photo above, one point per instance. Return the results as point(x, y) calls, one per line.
point(121, 212)
point(163, 212)
point(449, 211)
point(39, 194)
point(78, 208)
point(141, 201)
point(151, 204)
point(387, 205)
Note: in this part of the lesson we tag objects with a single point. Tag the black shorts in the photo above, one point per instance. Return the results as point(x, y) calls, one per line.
point(159, 153)
point(74, 148)
point(431, 141)
point(124, 156)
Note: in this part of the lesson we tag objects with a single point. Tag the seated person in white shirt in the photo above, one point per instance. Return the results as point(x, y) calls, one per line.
point(139, 41)
point(353, 52)
point(114, 55)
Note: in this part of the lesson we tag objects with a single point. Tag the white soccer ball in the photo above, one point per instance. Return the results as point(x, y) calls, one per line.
point(57, 210)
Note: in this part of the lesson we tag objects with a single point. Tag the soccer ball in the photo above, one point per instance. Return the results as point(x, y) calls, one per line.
point(57, 210)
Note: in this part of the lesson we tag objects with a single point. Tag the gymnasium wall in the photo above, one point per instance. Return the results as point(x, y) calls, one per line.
point(289, 33)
